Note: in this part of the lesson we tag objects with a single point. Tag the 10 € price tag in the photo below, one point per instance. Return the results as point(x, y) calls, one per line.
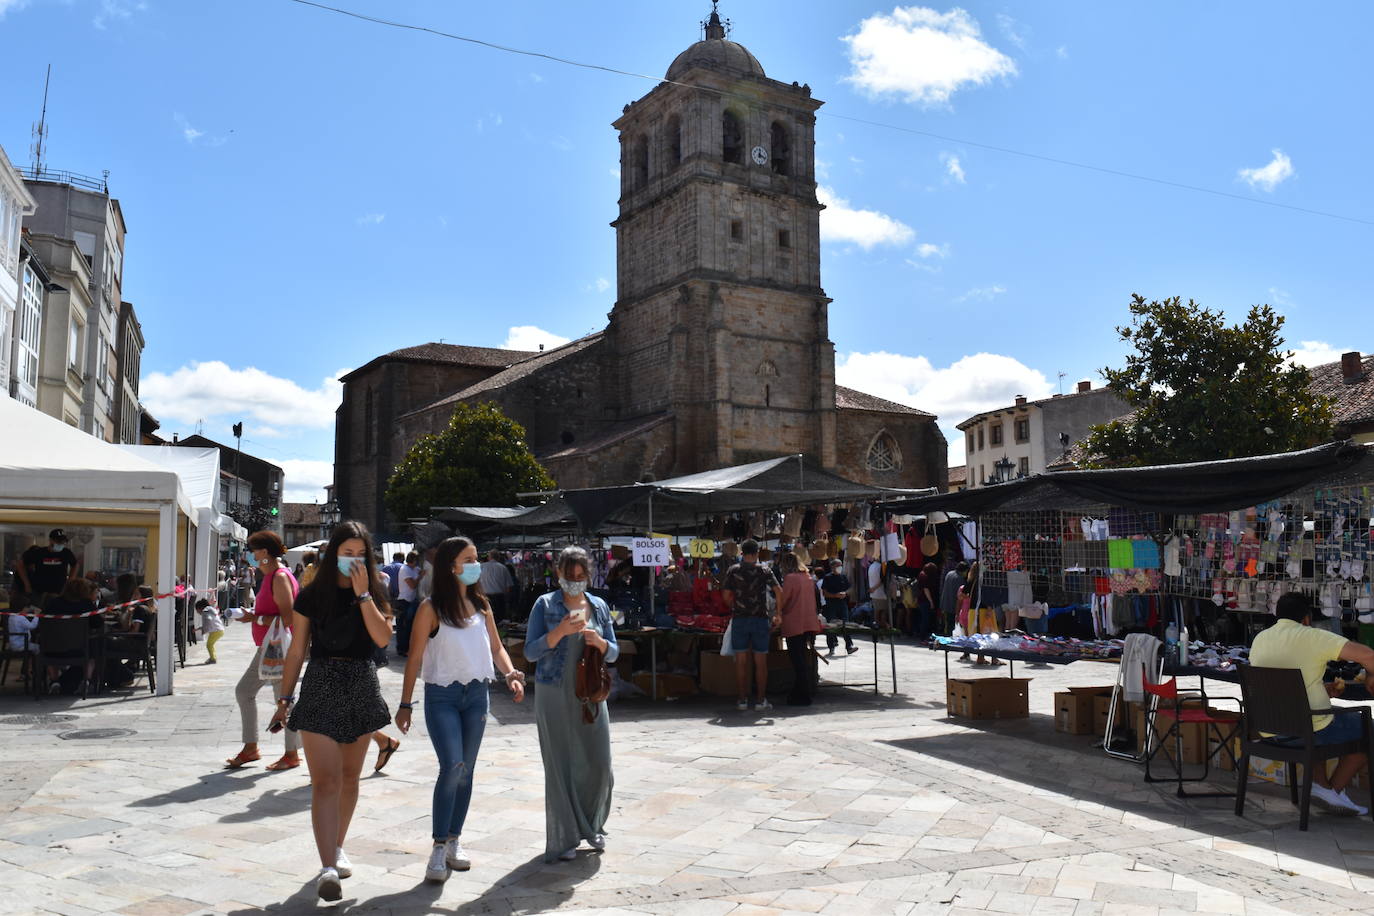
point(650, 552)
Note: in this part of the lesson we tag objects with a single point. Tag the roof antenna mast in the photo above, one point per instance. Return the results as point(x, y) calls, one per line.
point(715, 27)
point(40, 130)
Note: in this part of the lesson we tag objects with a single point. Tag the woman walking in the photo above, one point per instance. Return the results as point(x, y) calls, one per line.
point(577, 754)
point(275, 600)
point(456, 651)
point(340, 620)
point(800, 624)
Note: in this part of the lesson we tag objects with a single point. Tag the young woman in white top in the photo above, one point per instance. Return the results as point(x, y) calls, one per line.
point(455, 650)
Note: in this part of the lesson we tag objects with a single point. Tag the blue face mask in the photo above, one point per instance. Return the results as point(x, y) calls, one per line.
point(346, 564)
point(470, 573)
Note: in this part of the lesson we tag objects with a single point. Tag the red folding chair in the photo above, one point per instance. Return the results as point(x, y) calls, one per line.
point(1168, 702)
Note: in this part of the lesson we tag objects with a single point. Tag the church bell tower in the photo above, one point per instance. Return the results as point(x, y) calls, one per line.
point(720, 318)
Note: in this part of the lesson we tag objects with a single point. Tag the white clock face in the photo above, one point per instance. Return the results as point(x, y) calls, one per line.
point(760, 156)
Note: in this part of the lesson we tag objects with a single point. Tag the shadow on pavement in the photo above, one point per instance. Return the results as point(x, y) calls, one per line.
point(207, 787)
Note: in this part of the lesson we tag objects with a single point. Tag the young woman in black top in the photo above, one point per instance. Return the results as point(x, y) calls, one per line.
point(341, 618)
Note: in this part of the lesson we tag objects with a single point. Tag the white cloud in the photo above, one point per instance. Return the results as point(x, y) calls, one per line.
point(969, 385)
point(982, 294)
point(305, 480)
point(563, 144)
point(530, 338)
point(1062, 52)
point(928, 250)
point(1280, 296)
point(111, 10)
point(952, 166)
point(371, 219)
point(866, 228)
point(602, 284)
point(187, 131)
point(1012, 29)
point(1315, 353)
point(7, 5)
point(1269, 177)
point(922, 55)
point(203, 391)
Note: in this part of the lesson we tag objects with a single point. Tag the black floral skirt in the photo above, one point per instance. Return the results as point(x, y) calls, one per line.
point(340, 699)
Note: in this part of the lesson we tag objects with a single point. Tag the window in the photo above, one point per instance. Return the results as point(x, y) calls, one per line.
point(370, 422)
point(781, 141)
point(883, 454)
point(731, 138)
point(980, 438)
point(27, 325)
point(969, 447)
point(641, 162)
point(737, 229)
point(674, 141)
point(767, 395)
point(1023, 466)
point(995, 433)
point(74, 345)
point(784, 238)
point(1023, 430)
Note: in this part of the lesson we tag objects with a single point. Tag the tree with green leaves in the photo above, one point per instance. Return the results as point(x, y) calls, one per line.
point(481, 459)
point(1202, 390)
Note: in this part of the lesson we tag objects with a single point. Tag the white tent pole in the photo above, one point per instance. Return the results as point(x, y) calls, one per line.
point(166, 580)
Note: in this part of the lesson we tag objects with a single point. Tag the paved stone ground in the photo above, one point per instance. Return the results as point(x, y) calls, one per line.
point(860, 804)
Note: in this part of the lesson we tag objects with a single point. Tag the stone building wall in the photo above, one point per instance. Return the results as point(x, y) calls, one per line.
point(922, 445)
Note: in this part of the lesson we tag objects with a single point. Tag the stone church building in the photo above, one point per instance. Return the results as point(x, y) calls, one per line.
point(717, 350)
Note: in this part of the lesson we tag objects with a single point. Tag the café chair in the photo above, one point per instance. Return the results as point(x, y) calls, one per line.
point(1276, 703)
point(62, 643)
point(22, 655)
point(1179, 707)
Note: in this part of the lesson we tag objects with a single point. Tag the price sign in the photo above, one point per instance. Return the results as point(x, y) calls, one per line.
point(701, 549)
point(650, 552)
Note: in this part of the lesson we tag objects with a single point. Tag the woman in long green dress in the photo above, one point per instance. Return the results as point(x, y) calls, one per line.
point(577, 754)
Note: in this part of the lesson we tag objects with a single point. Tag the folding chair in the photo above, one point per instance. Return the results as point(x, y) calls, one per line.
point(1177, 712)
point(1141, 655)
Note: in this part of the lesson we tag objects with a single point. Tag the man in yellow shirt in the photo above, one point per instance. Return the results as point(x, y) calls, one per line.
point(1292, 642)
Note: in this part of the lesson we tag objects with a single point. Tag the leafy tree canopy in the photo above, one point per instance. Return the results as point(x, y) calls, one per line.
point(480, 460)
point(1201, 390)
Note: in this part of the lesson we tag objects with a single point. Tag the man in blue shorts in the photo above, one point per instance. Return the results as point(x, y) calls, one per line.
point(1292, 642)
point(745, 589)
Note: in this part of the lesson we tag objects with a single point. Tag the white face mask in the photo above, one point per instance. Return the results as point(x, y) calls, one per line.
point(572, 589)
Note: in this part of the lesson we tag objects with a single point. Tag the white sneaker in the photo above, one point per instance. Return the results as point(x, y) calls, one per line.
point(342, 865)
point(437, 869)
point(455, 857)
point(567, 855)
point(1332, 801)
point(327, 885)
point(763, 705)
point(1359, 809)
point(598, 842)
point(742, 705)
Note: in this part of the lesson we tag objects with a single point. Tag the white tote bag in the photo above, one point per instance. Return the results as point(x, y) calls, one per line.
point(275, 645)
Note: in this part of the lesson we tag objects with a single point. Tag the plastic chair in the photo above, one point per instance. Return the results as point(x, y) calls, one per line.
point(1276, 703)
point(1172, 704)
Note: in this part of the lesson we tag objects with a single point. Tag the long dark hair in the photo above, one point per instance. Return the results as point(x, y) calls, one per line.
point(321, 590)
point(447, 605)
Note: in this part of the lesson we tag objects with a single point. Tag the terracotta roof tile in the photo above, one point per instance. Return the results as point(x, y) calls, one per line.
point(1354, 400)
point(482, 357)
point(850, 399)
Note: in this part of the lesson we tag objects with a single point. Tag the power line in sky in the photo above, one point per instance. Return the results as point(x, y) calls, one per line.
point(944, 138)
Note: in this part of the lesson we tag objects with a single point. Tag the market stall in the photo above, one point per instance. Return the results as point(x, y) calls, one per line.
point(123, 512)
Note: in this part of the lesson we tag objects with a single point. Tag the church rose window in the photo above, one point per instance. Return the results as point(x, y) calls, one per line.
point(883, 454)
point(732, 138)
point(781, 153)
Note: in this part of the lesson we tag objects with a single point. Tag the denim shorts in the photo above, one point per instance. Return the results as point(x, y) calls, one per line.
point(1346, 725)
point(749, 634)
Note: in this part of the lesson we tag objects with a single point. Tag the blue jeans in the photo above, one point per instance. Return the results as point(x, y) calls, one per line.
point(456, 717)
point(405, 616)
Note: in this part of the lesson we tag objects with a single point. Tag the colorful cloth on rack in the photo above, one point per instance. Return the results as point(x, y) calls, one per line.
point(1120, 554)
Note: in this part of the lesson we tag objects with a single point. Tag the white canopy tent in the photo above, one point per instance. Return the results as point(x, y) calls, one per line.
point(52, 473)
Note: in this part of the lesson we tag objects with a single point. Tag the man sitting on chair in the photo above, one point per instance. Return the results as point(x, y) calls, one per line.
point(1292, 642)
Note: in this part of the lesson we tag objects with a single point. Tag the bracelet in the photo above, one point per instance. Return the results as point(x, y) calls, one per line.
point(365, 596)
point(288, 700)
point(515, 674)
point(405, 705)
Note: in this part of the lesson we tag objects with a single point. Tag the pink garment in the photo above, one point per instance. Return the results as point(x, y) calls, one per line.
point(798, 606)
point(266, 603)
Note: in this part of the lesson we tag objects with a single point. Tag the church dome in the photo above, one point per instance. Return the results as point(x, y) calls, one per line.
point(716, 52)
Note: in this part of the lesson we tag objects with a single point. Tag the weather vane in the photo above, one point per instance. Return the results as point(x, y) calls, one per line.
point(715, 27)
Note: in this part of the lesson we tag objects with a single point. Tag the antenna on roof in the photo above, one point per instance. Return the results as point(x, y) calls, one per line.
point(40, 130)
point(1062, 373)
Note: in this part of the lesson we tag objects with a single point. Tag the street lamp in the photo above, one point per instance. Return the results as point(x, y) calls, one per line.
point(1002, 468)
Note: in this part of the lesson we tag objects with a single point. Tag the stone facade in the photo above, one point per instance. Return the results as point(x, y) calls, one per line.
point(717, 351)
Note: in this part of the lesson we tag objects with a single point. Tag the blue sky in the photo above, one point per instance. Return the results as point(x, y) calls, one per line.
point(305, 191)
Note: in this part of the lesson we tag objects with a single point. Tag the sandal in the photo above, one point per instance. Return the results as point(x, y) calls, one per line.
point(240, 760)
point(384, 755)
point(284, 763)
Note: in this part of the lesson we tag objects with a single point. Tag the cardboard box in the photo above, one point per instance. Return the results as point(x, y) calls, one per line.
point(989, 697)
point(1194, 735)
point(1073, 709)
point(1101, 705)
point(515, 648)
point(717, 674)
point(669, 685)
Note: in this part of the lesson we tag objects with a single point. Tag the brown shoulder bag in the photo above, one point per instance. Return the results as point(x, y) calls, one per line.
point(593, 684)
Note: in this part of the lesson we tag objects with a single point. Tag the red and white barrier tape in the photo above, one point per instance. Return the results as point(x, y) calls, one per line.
point(35, 612)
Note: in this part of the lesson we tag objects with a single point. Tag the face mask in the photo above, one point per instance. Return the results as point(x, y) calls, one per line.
point(470, 573)
point(572, 589)
point(346, 564)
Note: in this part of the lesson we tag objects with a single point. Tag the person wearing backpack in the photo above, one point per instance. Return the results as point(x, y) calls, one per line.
point(274, 603)
point(456, 650)
point(574, 738)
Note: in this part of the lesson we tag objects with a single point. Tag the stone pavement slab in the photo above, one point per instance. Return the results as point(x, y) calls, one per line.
point(860, 804)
